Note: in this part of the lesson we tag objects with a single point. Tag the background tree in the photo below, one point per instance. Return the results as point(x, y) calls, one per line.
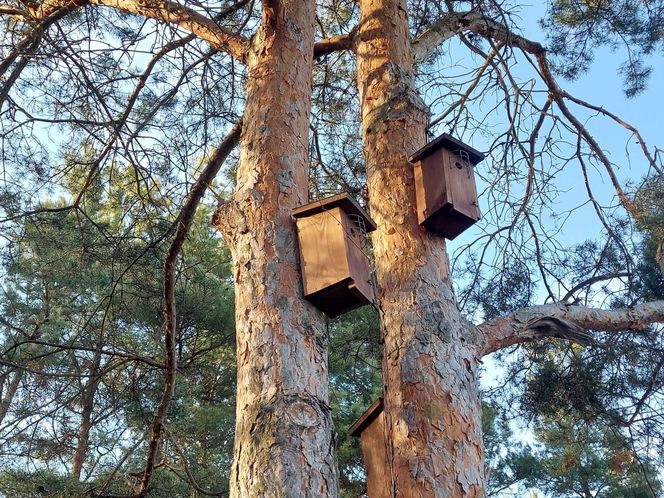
point(81, 327)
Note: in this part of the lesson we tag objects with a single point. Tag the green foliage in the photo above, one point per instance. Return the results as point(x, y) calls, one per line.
point(577, 28)
point(593, 412)
point(355, 385)
point(511, 290)
point(82, 307)
point(567, 458)
point(16, 483)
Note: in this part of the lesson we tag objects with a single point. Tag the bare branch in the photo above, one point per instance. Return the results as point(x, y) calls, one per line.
point(493, 30)
point(593, 280)
point(190, 20)
point(565, 322)
point(624, 124)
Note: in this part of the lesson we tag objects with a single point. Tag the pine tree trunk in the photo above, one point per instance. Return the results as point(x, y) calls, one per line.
point(8, 397)
point(284, 443)
point(83, 440)
point(432, 402)
point(88, 393)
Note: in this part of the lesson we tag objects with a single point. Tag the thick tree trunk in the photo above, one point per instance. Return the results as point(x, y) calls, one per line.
point(432, 402)
point(284, 443)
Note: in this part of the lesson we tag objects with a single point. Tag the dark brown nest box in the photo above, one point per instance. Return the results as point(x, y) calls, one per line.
point(336, 271)
point(370, 428)
point(445, 186)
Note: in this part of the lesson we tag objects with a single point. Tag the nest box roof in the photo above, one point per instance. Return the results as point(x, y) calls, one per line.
point(450, 143)
point(343, 200)
point(367, 417)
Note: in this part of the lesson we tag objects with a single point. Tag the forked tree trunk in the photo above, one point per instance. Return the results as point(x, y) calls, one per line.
point(432, 402)
point(284, 444)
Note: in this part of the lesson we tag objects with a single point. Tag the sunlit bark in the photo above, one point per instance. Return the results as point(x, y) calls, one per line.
point(432, 403)
point(284, 442)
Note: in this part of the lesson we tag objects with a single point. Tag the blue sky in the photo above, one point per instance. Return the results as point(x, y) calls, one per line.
point(602, 85)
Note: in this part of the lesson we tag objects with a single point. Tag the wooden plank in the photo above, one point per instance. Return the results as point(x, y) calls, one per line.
point(322, 250)
point(375, 459)
point(448, 142)
point(359, 266)
point(461, 186)
point(431, 186)
point(370, 428)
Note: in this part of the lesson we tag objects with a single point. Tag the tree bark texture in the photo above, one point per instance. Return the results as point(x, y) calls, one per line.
point(432, 402)
point(564, 321)
point(284, 437)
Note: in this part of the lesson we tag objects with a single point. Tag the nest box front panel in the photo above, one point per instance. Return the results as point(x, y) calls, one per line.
point(375, 459)
point(431, 185)
point(322, 250)
point(370, 428)
point(461, 184)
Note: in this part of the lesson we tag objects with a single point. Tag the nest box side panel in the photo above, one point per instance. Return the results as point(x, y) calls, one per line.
point(432, 190)
point(358, 261)
point(461, 185)
point(322, 250)
point(375, 458)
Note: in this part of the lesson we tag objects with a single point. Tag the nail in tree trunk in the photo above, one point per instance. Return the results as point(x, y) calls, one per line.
point(284, 443)
point(432, 402)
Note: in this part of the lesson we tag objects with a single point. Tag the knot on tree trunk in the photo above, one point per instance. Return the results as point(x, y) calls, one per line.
point(402, 102)
point(229, 219)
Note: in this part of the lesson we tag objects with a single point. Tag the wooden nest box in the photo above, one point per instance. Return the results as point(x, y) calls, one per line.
point(445, 186)
point(336, 272)
point(370, 428)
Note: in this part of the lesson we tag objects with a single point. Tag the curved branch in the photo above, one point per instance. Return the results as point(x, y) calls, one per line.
point(438, 32)
point(593, 280)
point(184, 223)
point(454, 23)
point(168, 11)
point(203, 27)
point(563, 321)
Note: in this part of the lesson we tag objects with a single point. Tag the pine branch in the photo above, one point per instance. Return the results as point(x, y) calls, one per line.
point(564, 321)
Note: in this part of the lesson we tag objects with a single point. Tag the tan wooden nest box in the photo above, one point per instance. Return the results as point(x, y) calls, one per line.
point(370, 428)
point(445, 186)
point(336, 272)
